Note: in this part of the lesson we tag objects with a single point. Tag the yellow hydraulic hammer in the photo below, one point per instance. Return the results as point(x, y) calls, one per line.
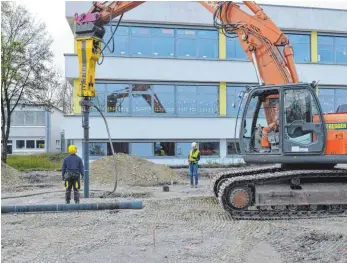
point(88, 51)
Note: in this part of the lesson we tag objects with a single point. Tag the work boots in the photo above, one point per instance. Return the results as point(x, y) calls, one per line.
point(76, 196)
point(67, 196)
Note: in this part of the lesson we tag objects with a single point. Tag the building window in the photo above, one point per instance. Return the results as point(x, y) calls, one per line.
point(164, 148)
point(97, 149)
point(332, 49)
point(202, 100)
point(118, 98)
point(152, 42)
point(331, 98)
point(30, 144)
point(183, 148)
point(121, 41)
point(164, 99)
point(141, 95)
point(57, 144)
point(28, 118)
point(209, 148)
point(301, 47)
point(118, 147)
point(40, 118)
point(197, 43)
point(186, 100)
point(233, 101)
point(233, 148)
point(141, 41)
point(234, 49)
point(18, 118)
point(143, 149)
point(40, 144)
point(20, 144)
point(99, 99)
point(340, 97)
point(207, 100)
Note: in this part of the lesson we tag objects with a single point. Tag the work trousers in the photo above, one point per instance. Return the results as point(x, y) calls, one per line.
point(193, 170)
point(72, 181)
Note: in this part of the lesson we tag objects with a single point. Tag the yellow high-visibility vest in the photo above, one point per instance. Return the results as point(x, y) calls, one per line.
point(193, 156)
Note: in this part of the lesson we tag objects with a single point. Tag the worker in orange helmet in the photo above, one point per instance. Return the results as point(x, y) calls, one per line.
point(71, 171)
point(274, 126)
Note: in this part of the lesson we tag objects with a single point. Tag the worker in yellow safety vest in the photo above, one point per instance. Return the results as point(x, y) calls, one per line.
point(193, 159)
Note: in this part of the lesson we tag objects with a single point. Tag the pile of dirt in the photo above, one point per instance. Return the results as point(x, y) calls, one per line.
point(10, 177)
point(131, 170)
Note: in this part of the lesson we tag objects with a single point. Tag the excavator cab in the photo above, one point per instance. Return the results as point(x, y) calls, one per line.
point(297, 130)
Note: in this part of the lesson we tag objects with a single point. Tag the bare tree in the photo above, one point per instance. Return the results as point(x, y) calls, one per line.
point(64, 100)
point(26, 64)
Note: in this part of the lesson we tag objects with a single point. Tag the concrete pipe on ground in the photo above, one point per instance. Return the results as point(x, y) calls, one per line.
point(70, 207)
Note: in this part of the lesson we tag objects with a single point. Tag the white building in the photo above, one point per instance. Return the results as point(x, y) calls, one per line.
point(35, 130)
point(172, 50)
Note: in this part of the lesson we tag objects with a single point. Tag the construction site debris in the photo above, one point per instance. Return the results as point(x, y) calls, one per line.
point(131, 170)
point(10, 177)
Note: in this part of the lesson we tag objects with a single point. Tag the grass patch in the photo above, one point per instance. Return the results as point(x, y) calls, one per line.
point(37, 162)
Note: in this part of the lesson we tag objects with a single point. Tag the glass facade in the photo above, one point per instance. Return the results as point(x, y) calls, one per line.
point(301, 47)
point(299, 42)
point(330, 98)
point(165, 42)
point(155, 149)
point(157, 99)
point(332, 49)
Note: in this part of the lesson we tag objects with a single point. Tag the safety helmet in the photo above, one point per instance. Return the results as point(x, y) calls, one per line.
point(72, 149)
point(194, 144)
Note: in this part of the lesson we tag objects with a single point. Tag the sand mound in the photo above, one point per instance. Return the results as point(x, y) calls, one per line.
point(132, 170)
point(10, 177)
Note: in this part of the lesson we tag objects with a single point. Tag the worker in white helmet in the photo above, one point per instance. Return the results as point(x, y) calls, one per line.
point(193, 159)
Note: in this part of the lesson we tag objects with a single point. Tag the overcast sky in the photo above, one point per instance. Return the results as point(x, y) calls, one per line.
point(52, 12)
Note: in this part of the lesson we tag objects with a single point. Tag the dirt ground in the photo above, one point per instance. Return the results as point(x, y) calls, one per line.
point(182, 225)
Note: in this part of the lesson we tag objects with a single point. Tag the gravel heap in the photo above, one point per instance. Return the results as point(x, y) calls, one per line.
point(131, 170)
point(10, 177)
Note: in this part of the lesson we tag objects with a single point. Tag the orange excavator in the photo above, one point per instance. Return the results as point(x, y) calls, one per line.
point(281, 125)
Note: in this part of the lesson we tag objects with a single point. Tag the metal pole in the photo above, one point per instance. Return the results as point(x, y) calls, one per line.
point(85, 125)
point(255, 63)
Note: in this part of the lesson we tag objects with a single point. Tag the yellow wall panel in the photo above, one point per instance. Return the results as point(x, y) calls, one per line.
point(223, 98)
point(222, 45)
point(314, 47)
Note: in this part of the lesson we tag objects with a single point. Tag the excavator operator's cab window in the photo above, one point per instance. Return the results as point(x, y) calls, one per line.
point(262, 122)
point(282, 121)
point(302, 121)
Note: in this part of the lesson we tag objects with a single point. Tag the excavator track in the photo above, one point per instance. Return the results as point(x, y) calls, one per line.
point(221, 177)
point(245, 185)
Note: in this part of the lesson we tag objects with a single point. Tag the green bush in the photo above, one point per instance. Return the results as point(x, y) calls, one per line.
point(38, 162)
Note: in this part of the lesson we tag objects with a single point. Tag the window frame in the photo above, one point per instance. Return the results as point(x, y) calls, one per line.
point(333, 88)
point(233, 141)
point(175, 27)
point(286, 32)
point(152, 142)
point(35, 144)
point(25, 123)
point(153, 84)
point(333, 35)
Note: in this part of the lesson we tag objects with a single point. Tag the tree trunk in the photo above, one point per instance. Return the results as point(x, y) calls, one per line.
point(3, 138)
